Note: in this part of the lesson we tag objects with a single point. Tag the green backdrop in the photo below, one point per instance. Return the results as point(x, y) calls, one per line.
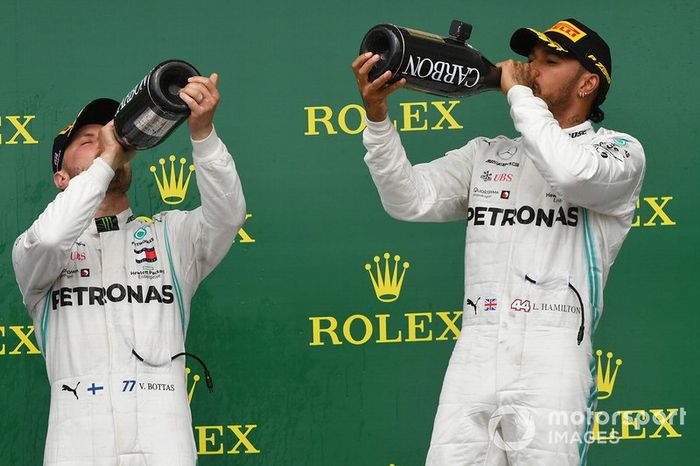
point(286, 395)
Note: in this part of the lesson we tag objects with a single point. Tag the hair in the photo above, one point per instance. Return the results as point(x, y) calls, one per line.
point(596, 115)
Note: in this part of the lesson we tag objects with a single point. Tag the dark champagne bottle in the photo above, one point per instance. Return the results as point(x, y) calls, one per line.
point(445, 66)
point(153, 109)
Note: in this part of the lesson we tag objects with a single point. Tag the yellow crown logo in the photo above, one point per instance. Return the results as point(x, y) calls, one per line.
point(190, 389)
point(173, 188)
point(387, 285)
point(605, 381)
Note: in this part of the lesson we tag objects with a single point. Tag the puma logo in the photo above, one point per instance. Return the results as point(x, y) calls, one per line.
point(66, 388)
point(473, 304)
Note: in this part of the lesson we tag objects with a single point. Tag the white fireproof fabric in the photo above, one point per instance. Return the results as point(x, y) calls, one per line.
point(546, 214)
point(96, 297)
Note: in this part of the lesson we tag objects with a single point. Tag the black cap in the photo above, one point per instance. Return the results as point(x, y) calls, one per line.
point(572, 37)
point(99, 111)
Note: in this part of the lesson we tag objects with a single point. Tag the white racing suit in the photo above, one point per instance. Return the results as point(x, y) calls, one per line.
point(99, 299)
point(546, 215)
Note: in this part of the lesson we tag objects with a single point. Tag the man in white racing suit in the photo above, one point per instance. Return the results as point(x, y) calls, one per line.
point(110, 293)
point(546, 215)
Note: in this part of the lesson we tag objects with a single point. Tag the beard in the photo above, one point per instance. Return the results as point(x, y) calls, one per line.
point(558, 100)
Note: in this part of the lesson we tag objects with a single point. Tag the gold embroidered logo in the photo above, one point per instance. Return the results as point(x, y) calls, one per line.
point(601, 67)
point(545, 38)
point(605, 381)
point(387, 284)
point(67, 128)
point(173, 187)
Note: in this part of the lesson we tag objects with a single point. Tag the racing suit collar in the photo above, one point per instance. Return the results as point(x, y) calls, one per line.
point(579, 130)
point(115, 222)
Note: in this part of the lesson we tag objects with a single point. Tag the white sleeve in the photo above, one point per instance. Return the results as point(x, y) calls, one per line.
point(40, 253)
point(604, 175)
point(437, 191)
point(203, 236)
